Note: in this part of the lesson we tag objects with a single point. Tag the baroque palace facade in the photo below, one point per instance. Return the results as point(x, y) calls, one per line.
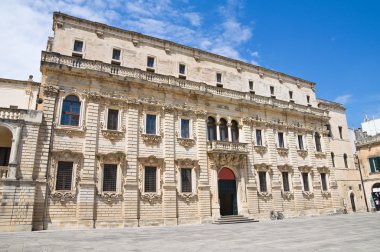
point(140, 131)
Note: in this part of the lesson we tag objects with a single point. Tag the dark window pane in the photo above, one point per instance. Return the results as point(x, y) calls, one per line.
point(70, 111)
point(151, 124)
point(250, 85)
point(4, 156)
point(211, 129)
point(64, 176)
point(150, 62)
point(263, 181)
point(318, 146)
point(182, 68)
point(333, 159)
point(116, 54)
point(235, 131)
point(259, 140)
point(272, 90)
point(285, 181)
point(78, 46)
point(150, 179)
point(113, 118)
point(323, 179)
point(305, 179)
point(218, 77)
point(223, 130)
point(109, 177)
point(300, 142)
point(185, 128)
point(340, 132)
point(345, 160)
point(281, 140)
point(186, 180)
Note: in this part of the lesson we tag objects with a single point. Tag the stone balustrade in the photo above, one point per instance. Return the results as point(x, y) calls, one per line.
point(215, 146)
point(10, 114)
point(51, 57)
point(3, 172)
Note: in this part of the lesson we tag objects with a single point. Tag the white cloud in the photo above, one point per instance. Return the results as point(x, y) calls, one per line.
point(194, 18)
point(343, 99)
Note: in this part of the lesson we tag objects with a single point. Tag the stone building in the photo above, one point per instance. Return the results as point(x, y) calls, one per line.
point(144, 131)
point(19, 130)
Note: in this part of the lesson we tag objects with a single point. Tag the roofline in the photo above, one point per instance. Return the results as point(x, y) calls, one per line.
point(331, 103)
point(237, 62)
point(19, 81)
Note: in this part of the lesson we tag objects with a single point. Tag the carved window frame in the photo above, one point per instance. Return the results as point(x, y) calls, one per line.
point(326, 171)
point(182, 74)
point(82, 125)
point(121, 127)
point(285, 138)
point(263, 137)
point(151, 161)
point(189, 164)
point(117, 158)
point(65, 156)
point(119, 61)
point(186, 142)
point(310, 174)
point(82, 53)
point(269, 174)
point(152, 139)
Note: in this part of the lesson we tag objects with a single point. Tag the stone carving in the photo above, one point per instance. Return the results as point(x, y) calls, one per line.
point(261, 149)
point(237, 160)
point(302, 153)
point(287, 195)
point(319, 154)
point(151, 139)
point(151, 197)
point(308, 194)
point(283, 151)
point(326, 194)
point(264, 195)
point(186, 142)
point(50, 91)
point(112, 134)
point(187, 197)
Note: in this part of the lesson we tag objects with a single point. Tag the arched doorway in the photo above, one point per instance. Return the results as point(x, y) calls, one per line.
point(352, 198)
point(5, 150)
point(376, 196)
point(227, 192)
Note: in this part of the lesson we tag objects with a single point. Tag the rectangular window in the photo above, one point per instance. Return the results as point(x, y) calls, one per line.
point(285, 181)
point(340, 132)
point(218, 77)
point(182, 69)
point(78, 46)
point(150, 62)
point(150, 124)
point(305, 180)
point(272, 90)
point(113, 118)
point(324, 182)
point(185, 128)
point(375, 164)
point(263, 181)
point(150, 179)
point(109, 177)
point(64, 176)
point(259, 140)
point(186, 180)
point(116, 54)
point(250, 85)
point(300, 142)
point(281, 142)
point(4, 156)
point(328, 128)
point(308, 98)
point(291, 95)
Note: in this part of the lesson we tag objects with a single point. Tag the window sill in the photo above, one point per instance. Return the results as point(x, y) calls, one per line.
point(282, 151)
point(186, 142)
point(151, 139)
point(261, 149)
point(151, 197)
point(326, 194)
point(264, 195)
point(70, 130)
point(63, 196)
point(288, 195)
point(308, 194)
point(112, 134)
point(302, 153)
point(187, 196)
point(319, 154)
point(110, 196)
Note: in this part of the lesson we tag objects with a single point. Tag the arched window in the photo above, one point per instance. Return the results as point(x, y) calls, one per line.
point(234, 131)
point(223, 130)
point(345, 160)
point(317, 138)
point(333, 158)
point(70, 111)
point(211, 129)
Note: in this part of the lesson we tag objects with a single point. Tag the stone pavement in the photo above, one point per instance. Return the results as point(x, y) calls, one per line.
point(354, 232)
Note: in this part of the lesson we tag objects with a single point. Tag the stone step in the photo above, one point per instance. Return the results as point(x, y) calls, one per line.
point(232, 219)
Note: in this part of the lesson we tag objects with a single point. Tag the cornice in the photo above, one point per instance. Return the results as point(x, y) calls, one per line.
point(12, 81)
point(59, 19)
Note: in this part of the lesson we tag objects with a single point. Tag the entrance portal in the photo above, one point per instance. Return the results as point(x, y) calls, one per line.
point(227, 192)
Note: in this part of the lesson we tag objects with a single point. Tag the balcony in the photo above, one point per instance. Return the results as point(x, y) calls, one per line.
point(222, 146)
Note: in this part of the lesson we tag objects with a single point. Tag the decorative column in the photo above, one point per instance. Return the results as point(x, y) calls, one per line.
point(217, 129)
point(214, 192)
point(229, 124)
point(14, 153)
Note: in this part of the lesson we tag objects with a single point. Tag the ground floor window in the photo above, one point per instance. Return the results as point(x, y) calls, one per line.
point(285, 181)
point(150, 179)
point(64, 176)
point(186, 180)
point(109, 177)
point(305, 180)
point(263, 181)
point(324, 181)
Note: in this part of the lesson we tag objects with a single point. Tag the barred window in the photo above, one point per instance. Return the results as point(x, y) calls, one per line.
point(186, 180)
point(263, 181)
point(109, 177)
point(285, 181)
point(305, 179)
point(150, 179)
point(113, 118)
point(70, 111)
point(64, 176)
point(324, 182)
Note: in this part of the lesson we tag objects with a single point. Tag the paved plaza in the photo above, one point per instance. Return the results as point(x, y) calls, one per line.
point(354, 232)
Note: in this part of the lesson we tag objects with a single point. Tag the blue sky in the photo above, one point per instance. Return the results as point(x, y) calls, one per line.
point(335, 43)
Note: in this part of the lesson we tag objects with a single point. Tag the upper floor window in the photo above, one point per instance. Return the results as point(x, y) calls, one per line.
point(272, 90)
point(150, 63)
point(305, 181)
point(234, 131)
point(250, 83)
point(333, 159)
point(285, 181)
point(70, 111)
point(78, 46)
point(259, 139)
point(263, 181)
point(374, 164)
point(324, 181)
point(300, 142)
point(150, 179)
point(211, 128)
point(64, 176)
point(185, 128)
point(113, 119)
point(345, 159)
point(218, 77)
point(308, 98)
point(291, 95)
point(223, 130)
point(317, 139)
point(281, 142)
point(109, 177)
point(186, 183)
point(340, 132)
point(328, 128)
point(182, 71)
point(116, 54)
point(150, 124)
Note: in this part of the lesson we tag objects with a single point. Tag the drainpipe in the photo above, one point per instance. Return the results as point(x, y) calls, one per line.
point(361, 180)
